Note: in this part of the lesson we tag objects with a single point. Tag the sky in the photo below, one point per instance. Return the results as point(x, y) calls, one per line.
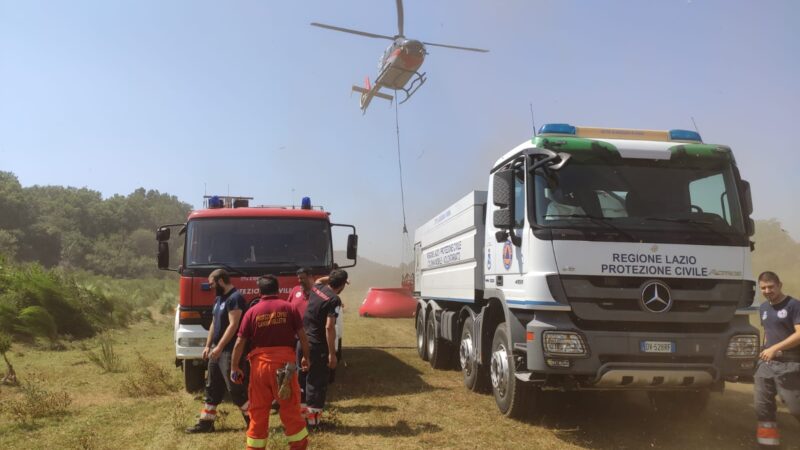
point(244, 97)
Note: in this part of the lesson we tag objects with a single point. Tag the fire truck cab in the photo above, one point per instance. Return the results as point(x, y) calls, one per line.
point(248, 242)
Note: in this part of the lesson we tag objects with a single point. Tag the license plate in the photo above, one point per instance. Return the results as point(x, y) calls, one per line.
point(657, 346)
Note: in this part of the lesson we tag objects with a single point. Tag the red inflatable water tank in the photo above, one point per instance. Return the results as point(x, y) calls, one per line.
point(389, 303)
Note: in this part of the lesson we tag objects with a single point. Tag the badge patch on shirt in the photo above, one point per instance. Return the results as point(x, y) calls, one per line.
point(298, 295)
point(782, 314)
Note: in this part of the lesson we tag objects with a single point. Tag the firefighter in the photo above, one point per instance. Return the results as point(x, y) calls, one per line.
point(270, 328)
point(298, 297)
point(319, 322)
point(227, 312)
point(778, 371)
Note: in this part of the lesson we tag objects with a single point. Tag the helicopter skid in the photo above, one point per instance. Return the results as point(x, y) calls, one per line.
point(416, 83)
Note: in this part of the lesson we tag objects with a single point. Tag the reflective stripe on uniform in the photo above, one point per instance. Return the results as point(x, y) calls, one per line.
point(767, 433)
point(256, 443)
point(299, 436)
point(209, 412)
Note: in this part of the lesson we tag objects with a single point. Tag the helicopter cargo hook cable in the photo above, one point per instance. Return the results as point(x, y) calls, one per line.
point(400, 166)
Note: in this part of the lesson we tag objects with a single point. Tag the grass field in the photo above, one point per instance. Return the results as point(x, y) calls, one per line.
point(385, 397)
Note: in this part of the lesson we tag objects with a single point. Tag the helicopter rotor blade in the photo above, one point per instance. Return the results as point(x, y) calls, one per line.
point(399, 17)
point(347, 30)
point(457, 47)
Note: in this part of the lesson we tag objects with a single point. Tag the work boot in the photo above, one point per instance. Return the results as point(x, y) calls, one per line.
point(202, 426)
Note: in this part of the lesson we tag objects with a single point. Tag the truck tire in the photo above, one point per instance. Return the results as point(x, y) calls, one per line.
point(194, 378)
point(513, 397)
point(475, 378)
point(439, 354)
point(422, 348)
point(674, 403)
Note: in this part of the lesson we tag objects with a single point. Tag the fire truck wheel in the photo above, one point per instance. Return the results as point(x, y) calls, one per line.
point(475, 378)
point(193, 376)
point(439, 353)
point(422, 349)
point(514, 398)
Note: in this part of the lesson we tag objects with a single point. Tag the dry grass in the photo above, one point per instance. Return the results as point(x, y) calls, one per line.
point(385, 397)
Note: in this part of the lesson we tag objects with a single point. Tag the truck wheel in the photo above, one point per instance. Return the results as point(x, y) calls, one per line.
point(511, 395)
point(438, 351)
point(422, 348)
point(474, 375)
point(673, 403)
point(193, 376)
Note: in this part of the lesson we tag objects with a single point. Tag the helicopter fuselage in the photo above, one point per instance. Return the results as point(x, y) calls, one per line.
point(400, 62)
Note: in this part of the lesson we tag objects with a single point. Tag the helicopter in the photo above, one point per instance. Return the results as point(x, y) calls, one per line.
point(399, 65)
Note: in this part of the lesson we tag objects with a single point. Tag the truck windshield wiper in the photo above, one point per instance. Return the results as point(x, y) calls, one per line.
point(271, 263)
point(598, 220)
point(225, 266)
point(708, 226)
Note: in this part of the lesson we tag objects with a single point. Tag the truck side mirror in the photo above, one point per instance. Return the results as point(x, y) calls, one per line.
point(503, 189)
point(163, 254)
point(352, 246)
point(750, 226)
point(162, 234)
point(503, 219)
point(747, 198)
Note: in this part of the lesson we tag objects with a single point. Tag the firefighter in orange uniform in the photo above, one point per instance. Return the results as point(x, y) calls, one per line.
point(270, 327)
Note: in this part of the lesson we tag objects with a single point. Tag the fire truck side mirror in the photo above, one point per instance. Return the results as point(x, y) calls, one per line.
point(162, 234)
point(163, 255)
point(352, 246)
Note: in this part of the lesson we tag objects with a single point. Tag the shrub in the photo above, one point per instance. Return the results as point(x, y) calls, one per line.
point(36, 321)
point(107, 359)
point(36, 402)
point(149, 380)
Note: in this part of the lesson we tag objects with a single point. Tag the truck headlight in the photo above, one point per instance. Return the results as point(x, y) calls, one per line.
point(564, 343)
point(191, 342)
point(743, 346)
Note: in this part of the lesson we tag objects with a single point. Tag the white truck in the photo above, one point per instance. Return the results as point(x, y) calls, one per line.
point(598, 259)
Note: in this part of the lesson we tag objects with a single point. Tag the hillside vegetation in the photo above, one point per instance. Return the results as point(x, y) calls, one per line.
point(75, 228)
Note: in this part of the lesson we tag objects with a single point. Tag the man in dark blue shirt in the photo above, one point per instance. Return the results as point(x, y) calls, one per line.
point(227, 313)
point(778, 370)
point(319, 322)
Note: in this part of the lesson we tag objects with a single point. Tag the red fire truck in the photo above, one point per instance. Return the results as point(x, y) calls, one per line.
point(247, 242)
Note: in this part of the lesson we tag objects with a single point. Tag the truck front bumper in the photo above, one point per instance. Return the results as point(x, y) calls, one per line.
point(636, 360)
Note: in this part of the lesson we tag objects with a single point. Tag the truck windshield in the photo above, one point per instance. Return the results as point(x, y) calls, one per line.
point(684, 199)
point(242, 243)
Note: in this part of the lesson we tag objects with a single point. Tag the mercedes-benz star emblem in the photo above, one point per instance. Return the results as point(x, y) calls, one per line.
point(656, 297)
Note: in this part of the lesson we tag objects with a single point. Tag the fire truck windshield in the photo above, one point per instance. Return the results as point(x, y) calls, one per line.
point(252, 242)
